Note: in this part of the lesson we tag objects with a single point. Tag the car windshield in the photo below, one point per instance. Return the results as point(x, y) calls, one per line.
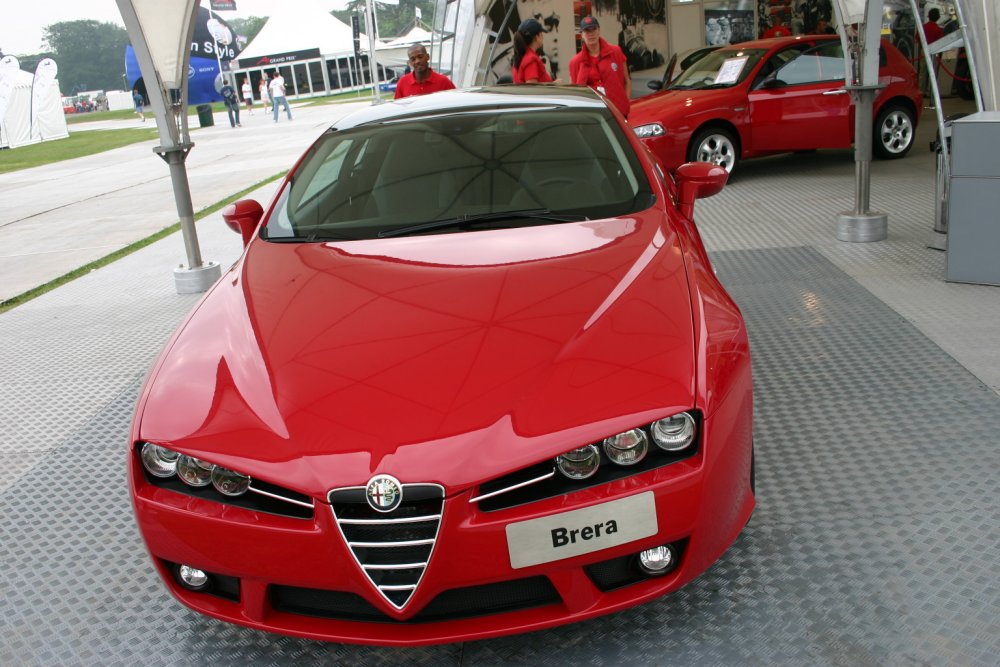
point(720, 69)
point(466, 170)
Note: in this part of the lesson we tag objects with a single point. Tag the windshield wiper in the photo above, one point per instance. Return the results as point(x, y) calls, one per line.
point(468, 220)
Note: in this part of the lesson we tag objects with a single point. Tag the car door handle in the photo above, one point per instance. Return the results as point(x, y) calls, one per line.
point(839, 91)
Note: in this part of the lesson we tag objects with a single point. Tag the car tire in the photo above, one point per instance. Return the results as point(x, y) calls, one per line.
point(892, 136)
point(715, 145)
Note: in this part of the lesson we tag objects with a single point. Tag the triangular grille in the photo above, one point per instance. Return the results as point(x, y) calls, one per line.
point(393, 548)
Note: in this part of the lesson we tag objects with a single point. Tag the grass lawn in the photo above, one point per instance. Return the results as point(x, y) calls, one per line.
point(78, 144)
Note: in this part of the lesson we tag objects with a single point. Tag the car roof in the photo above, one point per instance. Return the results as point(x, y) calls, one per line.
point(772, 42)
point(474, 99)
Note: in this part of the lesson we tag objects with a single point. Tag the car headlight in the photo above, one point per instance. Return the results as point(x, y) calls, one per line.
point(229, 482)
point(627, 448)
point(674, 433)
point(579, 463)
point(159, 461)
point(649, 130)
point(194, 472)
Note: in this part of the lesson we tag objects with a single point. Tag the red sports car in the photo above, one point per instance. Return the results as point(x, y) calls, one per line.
point(774, 96)
point(473, 375)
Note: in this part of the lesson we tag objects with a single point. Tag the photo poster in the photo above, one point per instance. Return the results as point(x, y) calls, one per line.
point(799, 15)
point(639, 27)
point(728, 22)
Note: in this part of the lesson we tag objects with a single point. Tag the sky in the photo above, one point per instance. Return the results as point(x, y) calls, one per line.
point(22, 23)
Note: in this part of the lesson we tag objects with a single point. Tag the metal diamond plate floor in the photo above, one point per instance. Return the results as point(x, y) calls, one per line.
point(875, 541)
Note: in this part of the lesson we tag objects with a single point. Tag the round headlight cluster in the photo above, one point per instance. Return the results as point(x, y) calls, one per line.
point(672, 434)
point(579, 463)
point(162, 462)
point(628, 448)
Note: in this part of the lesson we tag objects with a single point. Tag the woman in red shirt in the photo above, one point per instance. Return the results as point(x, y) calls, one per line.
point(526, 66)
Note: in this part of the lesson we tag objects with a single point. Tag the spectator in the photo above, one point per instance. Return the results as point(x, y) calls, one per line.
point(421, 79)
point(601, 66)
point(823, 27)
point(137, 98)
point(932, 33)
point(265, 93)
point(232, 103)
point(778, 28)
point(247, 91)
point(277, 90)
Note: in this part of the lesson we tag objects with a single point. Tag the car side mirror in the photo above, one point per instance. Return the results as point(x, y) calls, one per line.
point(697, 180)
point(243, 216)
point(655, 85)
point(772, 83)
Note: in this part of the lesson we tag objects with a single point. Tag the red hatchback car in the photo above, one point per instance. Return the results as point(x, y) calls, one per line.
point(473, 375)
point(774, 96)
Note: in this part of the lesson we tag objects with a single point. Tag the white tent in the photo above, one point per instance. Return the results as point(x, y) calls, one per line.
point(21, 125)
point(394, 53)
point(300, 25)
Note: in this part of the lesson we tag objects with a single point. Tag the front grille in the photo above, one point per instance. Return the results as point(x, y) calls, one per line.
point(392, 548)
point(457, 603)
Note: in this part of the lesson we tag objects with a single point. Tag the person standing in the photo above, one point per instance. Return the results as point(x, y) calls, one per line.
point(527, 67)
point(277, 89)
point(421, 80)
point(265, 93)
point(823, 27)
point(932, 33)
point(601, 66)
point(232, 103)
point(247, 91)
point(137, 99)
point(778, 28)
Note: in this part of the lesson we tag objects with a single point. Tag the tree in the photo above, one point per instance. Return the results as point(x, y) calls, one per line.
point(393, 20)
point(248, 27)
point(90, 54)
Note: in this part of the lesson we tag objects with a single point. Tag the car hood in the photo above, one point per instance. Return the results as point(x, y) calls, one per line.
point(674, 106)
point(449, 358)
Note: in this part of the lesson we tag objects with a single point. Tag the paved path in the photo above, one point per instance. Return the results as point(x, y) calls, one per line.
point(59, 217)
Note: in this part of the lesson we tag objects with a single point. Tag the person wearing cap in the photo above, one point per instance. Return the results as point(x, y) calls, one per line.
point(601, 66)
point(527, 67)
point(422, 79)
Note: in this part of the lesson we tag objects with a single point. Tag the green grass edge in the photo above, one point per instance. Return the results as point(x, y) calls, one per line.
point(36, 292)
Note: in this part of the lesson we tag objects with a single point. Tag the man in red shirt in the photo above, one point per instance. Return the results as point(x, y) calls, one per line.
point(932, 32)
point(778, 28)
point(601, 66)
point(422, 79)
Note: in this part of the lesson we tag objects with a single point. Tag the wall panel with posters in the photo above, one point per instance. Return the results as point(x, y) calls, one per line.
point(639, 27)
point(728, 22)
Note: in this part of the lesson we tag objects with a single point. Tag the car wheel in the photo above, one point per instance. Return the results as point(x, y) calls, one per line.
point(893, 133)
point(714, 145)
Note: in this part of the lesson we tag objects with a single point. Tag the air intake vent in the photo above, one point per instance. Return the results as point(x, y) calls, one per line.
point(392, 548)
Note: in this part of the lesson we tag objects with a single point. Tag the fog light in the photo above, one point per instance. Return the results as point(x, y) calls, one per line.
point(658, 560)
point(192, 578)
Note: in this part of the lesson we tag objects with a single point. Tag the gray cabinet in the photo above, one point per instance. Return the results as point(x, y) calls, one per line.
point(974, 200)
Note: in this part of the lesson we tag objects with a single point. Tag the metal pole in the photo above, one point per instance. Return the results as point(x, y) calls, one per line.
point(967, 37)
point(372, 61)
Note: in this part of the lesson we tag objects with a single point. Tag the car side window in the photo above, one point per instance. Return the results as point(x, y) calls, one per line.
point(777, 61)
point(822, 63)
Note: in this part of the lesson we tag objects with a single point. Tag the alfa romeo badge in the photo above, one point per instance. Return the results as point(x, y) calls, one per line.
point(384, 493)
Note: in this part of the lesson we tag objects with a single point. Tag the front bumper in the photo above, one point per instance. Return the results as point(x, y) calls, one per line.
point(297, 576)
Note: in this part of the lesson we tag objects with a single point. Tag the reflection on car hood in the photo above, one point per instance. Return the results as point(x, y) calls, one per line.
point(677, 105)
point(440, 358)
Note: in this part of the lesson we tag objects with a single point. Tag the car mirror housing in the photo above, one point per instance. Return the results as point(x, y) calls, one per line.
point(697, 180)
point(654, 85)
point(243, 216)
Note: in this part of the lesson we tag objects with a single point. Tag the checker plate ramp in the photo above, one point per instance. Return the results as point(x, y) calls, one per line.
point(875, 539)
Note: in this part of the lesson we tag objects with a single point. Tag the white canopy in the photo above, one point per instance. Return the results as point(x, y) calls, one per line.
point(301, 25)
point(21, 125)
point(394, 53)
